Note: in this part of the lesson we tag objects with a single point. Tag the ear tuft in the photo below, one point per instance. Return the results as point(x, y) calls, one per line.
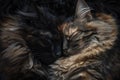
point(83, 11)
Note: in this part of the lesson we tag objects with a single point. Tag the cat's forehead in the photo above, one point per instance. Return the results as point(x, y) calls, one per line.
point(68, 28)
point(49, 33)
point(46, 33)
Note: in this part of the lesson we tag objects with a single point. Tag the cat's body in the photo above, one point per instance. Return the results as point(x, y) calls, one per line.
point(29, 40)
point(91, 47)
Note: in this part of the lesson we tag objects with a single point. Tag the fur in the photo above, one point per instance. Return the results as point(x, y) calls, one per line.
point(91, 47)
point(29, 40)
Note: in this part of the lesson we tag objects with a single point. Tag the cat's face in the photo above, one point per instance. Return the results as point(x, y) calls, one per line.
point(45, 43)
point(50, 42)
point(85, 30)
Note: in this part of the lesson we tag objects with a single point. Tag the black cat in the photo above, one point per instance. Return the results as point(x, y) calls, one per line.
point(29, 40)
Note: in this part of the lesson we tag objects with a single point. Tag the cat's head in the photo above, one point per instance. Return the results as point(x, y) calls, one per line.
point(85, 32)
point(44, 38)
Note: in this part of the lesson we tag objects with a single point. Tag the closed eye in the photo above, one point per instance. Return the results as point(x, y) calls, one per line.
point(88, 35)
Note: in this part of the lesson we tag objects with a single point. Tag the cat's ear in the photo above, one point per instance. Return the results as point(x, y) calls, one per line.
point(83, 11)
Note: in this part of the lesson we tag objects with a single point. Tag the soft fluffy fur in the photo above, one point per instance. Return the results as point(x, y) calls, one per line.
point(29, 40)
point(91, 47)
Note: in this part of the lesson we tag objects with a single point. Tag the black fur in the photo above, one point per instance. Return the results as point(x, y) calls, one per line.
point(29, 40)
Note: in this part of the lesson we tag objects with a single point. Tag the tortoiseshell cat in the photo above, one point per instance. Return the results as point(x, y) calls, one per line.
point(91, 47)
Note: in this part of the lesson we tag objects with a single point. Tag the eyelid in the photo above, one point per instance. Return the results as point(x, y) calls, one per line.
point(45, 34)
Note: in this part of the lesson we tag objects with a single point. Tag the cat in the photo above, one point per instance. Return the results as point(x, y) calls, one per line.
point(29, 40)
point(90, 47)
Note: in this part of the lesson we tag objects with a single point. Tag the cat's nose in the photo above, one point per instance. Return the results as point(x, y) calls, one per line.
point(66, 52)
point(65, 46)
point(58, 54)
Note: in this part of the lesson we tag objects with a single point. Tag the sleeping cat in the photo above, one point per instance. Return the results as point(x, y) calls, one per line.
point(90, 47)
point(29, 40)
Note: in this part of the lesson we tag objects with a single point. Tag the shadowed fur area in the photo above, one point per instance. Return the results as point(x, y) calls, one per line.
point(16, 58)
point(29, 40)
point(59, 40)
